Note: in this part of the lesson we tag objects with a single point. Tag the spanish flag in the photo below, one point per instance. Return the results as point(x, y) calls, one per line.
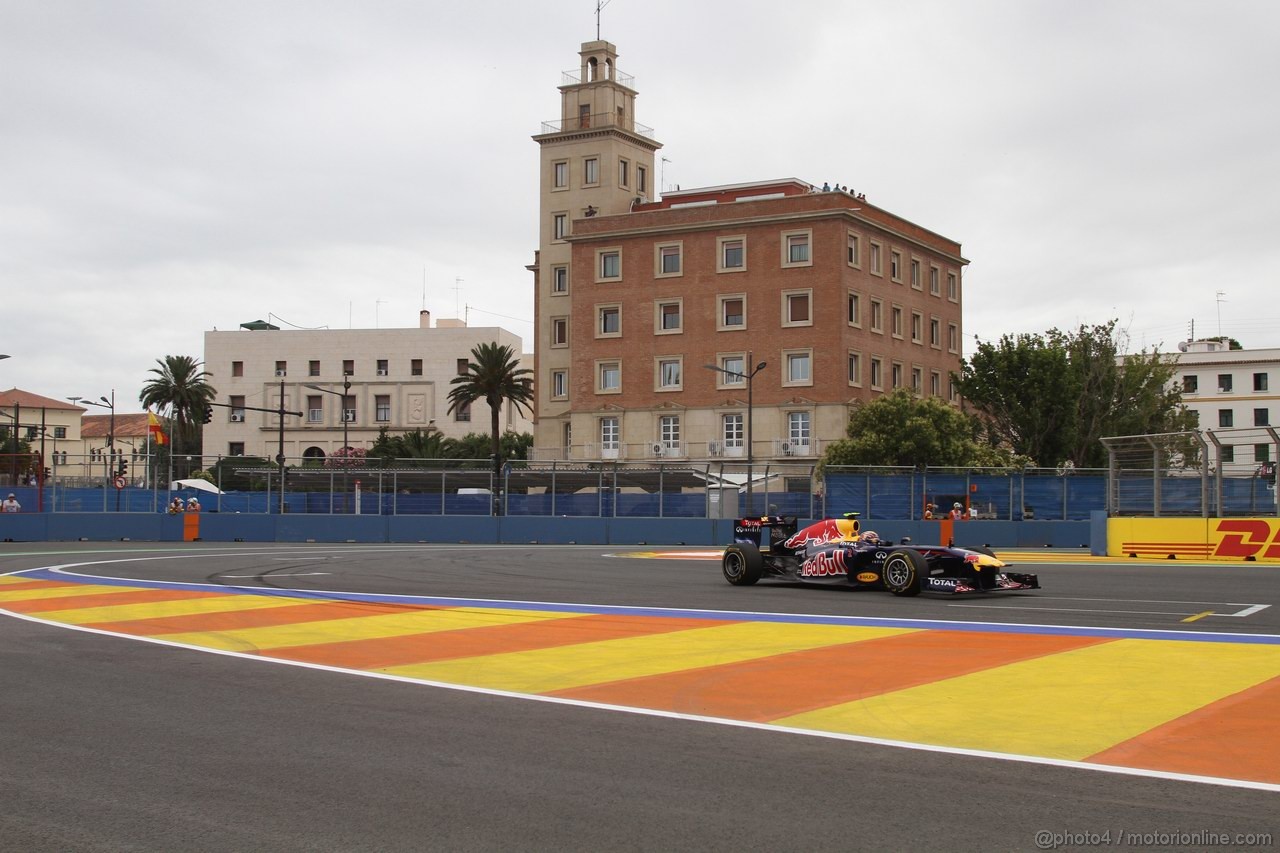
point(156, 430)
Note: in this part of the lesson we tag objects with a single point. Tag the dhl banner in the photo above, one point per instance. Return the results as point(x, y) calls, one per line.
point(1232, 539)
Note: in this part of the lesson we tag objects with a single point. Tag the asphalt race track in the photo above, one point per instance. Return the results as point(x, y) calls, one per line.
point(583, 698)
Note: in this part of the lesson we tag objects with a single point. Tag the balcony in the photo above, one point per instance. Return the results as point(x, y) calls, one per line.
point(595, 121)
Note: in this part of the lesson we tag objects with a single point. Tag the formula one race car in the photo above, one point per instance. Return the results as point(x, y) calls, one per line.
point(837, 551)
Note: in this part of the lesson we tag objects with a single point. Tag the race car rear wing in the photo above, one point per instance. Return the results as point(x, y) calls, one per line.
point(764, 531)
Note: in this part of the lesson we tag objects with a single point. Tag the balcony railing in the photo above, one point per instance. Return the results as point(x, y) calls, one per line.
point(597, 120)
point(574, 78)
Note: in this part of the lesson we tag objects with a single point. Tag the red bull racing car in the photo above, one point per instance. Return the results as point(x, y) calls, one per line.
point(836, 551)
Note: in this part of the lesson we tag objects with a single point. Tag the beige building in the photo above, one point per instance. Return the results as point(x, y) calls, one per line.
point(400, 380)
point(51, 428)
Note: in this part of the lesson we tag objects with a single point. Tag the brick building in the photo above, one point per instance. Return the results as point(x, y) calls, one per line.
point(838, 299)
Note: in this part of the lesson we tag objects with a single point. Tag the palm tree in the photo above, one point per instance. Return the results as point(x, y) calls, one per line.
point(494, 375)
point(179, 385)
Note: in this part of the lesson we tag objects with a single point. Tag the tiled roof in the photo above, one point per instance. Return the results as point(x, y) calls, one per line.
point(128, 426)
point(27, 400)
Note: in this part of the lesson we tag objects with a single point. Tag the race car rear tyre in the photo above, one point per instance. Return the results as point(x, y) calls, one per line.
point(742, 564)
point(902, 572)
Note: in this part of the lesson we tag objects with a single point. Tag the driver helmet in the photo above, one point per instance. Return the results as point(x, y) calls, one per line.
point(870, 536)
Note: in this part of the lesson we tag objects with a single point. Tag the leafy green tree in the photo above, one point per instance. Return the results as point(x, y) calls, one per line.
point(180, 389)
point(495, 376)
point(901, 429)
point(477, 445)
point(1051, 397)
point(419, 444)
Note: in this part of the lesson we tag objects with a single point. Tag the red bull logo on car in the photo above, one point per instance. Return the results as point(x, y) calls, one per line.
point(824, 565)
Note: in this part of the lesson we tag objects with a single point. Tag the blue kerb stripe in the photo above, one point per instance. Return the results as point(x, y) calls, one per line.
point(677, 613)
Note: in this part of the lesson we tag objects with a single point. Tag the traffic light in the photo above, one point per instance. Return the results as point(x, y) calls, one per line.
point(207, 414)
point(124, 467)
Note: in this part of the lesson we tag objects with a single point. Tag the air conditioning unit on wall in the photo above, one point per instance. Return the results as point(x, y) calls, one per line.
point(237, 418)
point(656, 449)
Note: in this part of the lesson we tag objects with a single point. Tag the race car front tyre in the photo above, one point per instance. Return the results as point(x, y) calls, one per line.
point(742, 564)
point(902, 572)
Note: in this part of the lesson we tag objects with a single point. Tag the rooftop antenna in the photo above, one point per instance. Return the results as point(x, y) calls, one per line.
point(1220, 300)
point(457, 286)
point(662, 171)
point(424, 288)
point(600, 4)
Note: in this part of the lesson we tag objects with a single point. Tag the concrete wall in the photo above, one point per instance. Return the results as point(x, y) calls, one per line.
point(232, 527)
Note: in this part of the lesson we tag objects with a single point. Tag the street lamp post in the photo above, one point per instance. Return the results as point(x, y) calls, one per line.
point(344, 393)
point(111, 432)
point(748, 376)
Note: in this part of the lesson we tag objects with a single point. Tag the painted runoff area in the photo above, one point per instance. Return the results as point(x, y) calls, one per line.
point(1197, 707)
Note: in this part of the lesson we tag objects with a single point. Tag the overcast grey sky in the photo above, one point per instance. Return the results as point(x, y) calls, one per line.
point(168, 167)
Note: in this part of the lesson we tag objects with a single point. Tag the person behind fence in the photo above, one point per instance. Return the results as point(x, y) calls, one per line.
point(928, 510)
point(176, 506)
point(10, 504)
point(193, 505)
point(958, 513)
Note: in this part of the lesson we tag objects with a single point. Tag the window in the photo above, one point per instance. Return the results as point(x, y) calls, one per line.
point(1261, 417)
point(236, 412)
point(875, 260)
point(1262, 453)
point(282, 368)
point(1224, 383)
point(59, 432)
point(559, 280)
point(895, 375)
point(315, 409)
point(877, 373)
point(1228, 453)
point(642, 180)
point(415, 367)
point(669, 370)
point(667, 260)
point(732, 371)
point(877, 316)
point(732, 254)
point(235, 448)
point(349, 409)
point(559, 384)
point(560, 174)
point(461, 366)
point(895, 321)
point(348, 367)
point(799, 367)
point(915, 274)
point(917, 327)
point(668, 319)
point(953, 287)
point(559, 226)
point(917, 381)
point(934, 288)
point(382, 408)
point(953, 337)
point(731, 430)
point(624, 173)
point(313, 368)
point(462, 414)
point(795, 249)
point(795, 308)
point(1226, 418)
point(935, 383)
point(559, 331)
point(853, 250)
point(608, 321)
point(855, 309)
point(608, 264)
point(609, 433)
point(1190, 384)
point(382, 367)
point(935, 333)
point(798, 428)
point(895, 265)
point(590, 171)
point(733, 312)
point(609, 377)
point(1260, 382)
point(855, 368)
point(237, 368)
point(669, 431)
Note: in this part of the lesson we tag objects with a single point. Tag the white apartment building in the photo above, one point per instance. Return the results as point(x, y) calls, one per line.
point(399, 379)
point(1236, 394)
